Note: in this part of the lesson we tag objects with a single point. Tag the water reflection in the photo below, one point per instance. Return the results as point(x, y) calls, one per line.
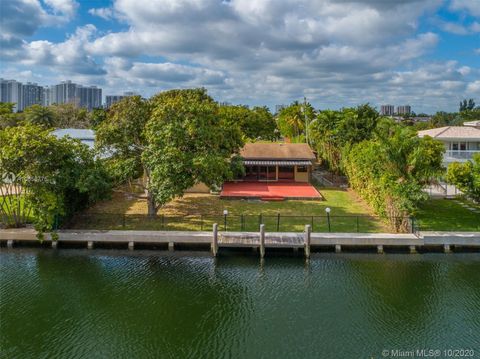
point(79, 303)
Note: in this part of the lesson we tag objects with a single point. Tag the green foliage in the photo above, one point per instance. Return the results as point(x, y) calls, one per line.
point(7, 117)
point(256, 124)
point(97, 116)
point(333, 132)
point(188, 142)
point(466, 176)
point(390, 170)
point(50, 176)
point(121, 134)
point(40, 116)
point(291, 120)
point(466, 105)
point(70, 116)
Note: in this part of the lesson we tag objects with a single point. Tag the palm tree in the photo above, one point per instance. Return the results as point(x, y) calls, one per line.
point(40, 115)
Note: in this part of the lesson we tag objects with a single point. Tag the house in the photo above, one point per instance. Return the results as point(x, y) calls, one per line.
point(274, 172)
point(274, 162)
point(461, 142)
point(85, 136)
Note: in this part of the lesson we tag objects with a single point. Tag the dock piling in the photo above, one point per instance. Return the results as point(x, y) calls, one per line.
point(10, 243)
point(171, 246)
point(262, 240)
point(131, 245)
point(413, 249)
point(380, 249)
point(446, 248)
point(215, 240)
point(89, 245)
point(54, 244)
point(307, 234)
point(338, 248)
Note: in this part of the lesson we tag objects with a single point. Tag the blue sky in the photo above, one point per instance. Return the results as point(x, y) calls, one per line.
point(335, 52)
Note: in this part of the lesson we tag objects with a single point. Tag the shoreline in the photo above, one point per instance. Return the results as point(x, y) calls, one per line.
point(215, 241)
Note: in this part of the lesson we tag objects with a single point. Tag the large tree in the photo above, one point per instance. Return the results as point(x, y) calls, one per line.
point(292, 121)
point(122, 135)
point(466, 176)
point(173, 141)
point(46, 177)
point(333, 132)
point(257, 123)
point(187, 142)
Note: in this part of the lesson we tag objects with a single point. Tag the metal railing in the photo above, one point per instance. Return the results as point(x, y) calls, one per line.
point(452, 155)
point(241, 223)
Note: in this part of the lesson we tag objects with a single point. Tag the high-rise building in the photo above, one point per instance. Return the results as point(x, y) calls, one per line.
point(111, 99)
point(88, 97)
point(11, 91)
point(387, 110)
point(404, 110)
point(25, 95)
point(32, 95)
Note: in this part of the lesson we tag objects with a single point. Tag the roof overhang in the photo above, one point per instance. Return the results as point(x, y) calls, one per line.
point(277, 163)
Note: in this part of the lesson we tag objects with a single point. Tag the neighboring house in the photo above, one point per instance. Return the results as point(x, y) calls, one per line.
point(461, 142)
point(85, 136)
point(270, 162)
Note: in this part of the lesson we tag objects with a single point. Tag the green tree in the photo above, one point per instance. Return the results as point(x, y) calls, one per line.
point(333, 132)
point(256, 124)
point(7, 117)
point(466, 176)
point(291, 120)
point(70, 116)
point(122, 135)
point(96, 117)
point(40, 115)
point(390, 170)
point(46, 177)
point(187, 142)
point(466, 105)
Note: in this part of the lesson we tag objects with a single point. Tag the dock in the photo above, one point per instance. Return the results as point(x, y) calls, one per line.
point(260, 241)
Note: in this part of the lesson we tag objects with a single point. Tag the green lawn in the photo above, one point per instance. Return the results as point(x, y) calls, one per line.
point(200, 211)
point(448, 215)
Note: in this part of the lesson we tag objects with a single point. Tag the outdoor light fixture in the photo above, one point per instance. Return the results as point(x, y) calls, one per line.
point(328, 218)
point(225, 214)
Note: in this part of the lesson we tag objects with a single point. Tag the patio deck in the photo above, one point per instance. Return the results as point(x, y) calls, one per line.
point(269, 191)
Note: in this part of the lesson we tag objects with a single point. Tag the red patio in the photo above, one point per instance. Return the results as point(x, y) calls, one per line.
point(269, 191)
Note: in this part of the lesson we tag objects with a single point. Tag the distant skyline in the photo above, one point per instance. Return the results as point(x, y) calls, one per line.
point(425, 53)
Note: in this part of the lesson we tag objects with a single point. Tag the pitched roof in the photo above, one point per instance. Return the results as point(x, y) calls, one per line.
point(277, 151)
point(81, 134)
point(452, 132)
point(472, 123)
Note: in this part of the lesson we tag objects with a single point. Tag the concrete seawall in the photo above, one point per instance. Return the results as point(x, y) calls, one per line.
point(446, 241)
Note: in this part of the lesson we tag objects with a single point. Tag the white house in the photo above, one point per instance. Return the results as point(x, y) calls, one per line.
point(85, 136)
point(461, 142)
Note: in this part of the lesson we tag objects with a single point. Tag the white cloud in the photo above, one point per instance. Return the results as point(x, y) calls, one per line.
point(105, 13)
point(65, 7)
point(470, 6)
point(473, 88)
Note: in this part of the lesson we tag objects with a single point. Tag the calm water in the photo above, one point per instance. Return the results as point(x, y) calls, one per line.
point(145, 304)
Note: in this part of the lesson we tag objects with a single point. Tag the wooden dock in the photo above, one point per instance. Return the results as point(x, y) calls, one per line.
point(262, 241)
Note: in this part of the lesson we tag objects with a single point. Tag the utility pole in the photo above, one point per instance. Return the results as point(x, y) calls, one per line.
point(305, 118)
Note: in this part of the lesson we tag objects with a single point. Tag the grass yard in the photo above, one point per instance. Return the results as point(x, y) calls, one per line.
point(200, 211)
point(448, 215)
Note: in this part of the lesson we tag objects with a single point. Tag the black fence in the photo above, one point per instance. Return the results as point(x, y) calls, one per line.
point(243, 223)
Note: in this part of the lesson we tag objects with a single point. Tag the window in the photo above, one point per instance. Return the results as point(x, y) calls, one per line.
point(302, 168)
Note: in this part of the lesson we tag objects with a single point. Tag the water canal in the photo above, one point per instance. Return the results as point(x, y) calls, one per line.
point(74, 303)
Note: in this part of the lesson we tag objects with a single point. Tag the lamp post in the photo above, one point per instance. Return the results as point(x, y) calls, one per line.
point(328, 218)
point(225, 214)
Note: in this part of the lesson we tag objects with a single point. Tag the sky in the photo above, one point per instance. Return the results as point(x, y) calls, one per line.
point(336, 53)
